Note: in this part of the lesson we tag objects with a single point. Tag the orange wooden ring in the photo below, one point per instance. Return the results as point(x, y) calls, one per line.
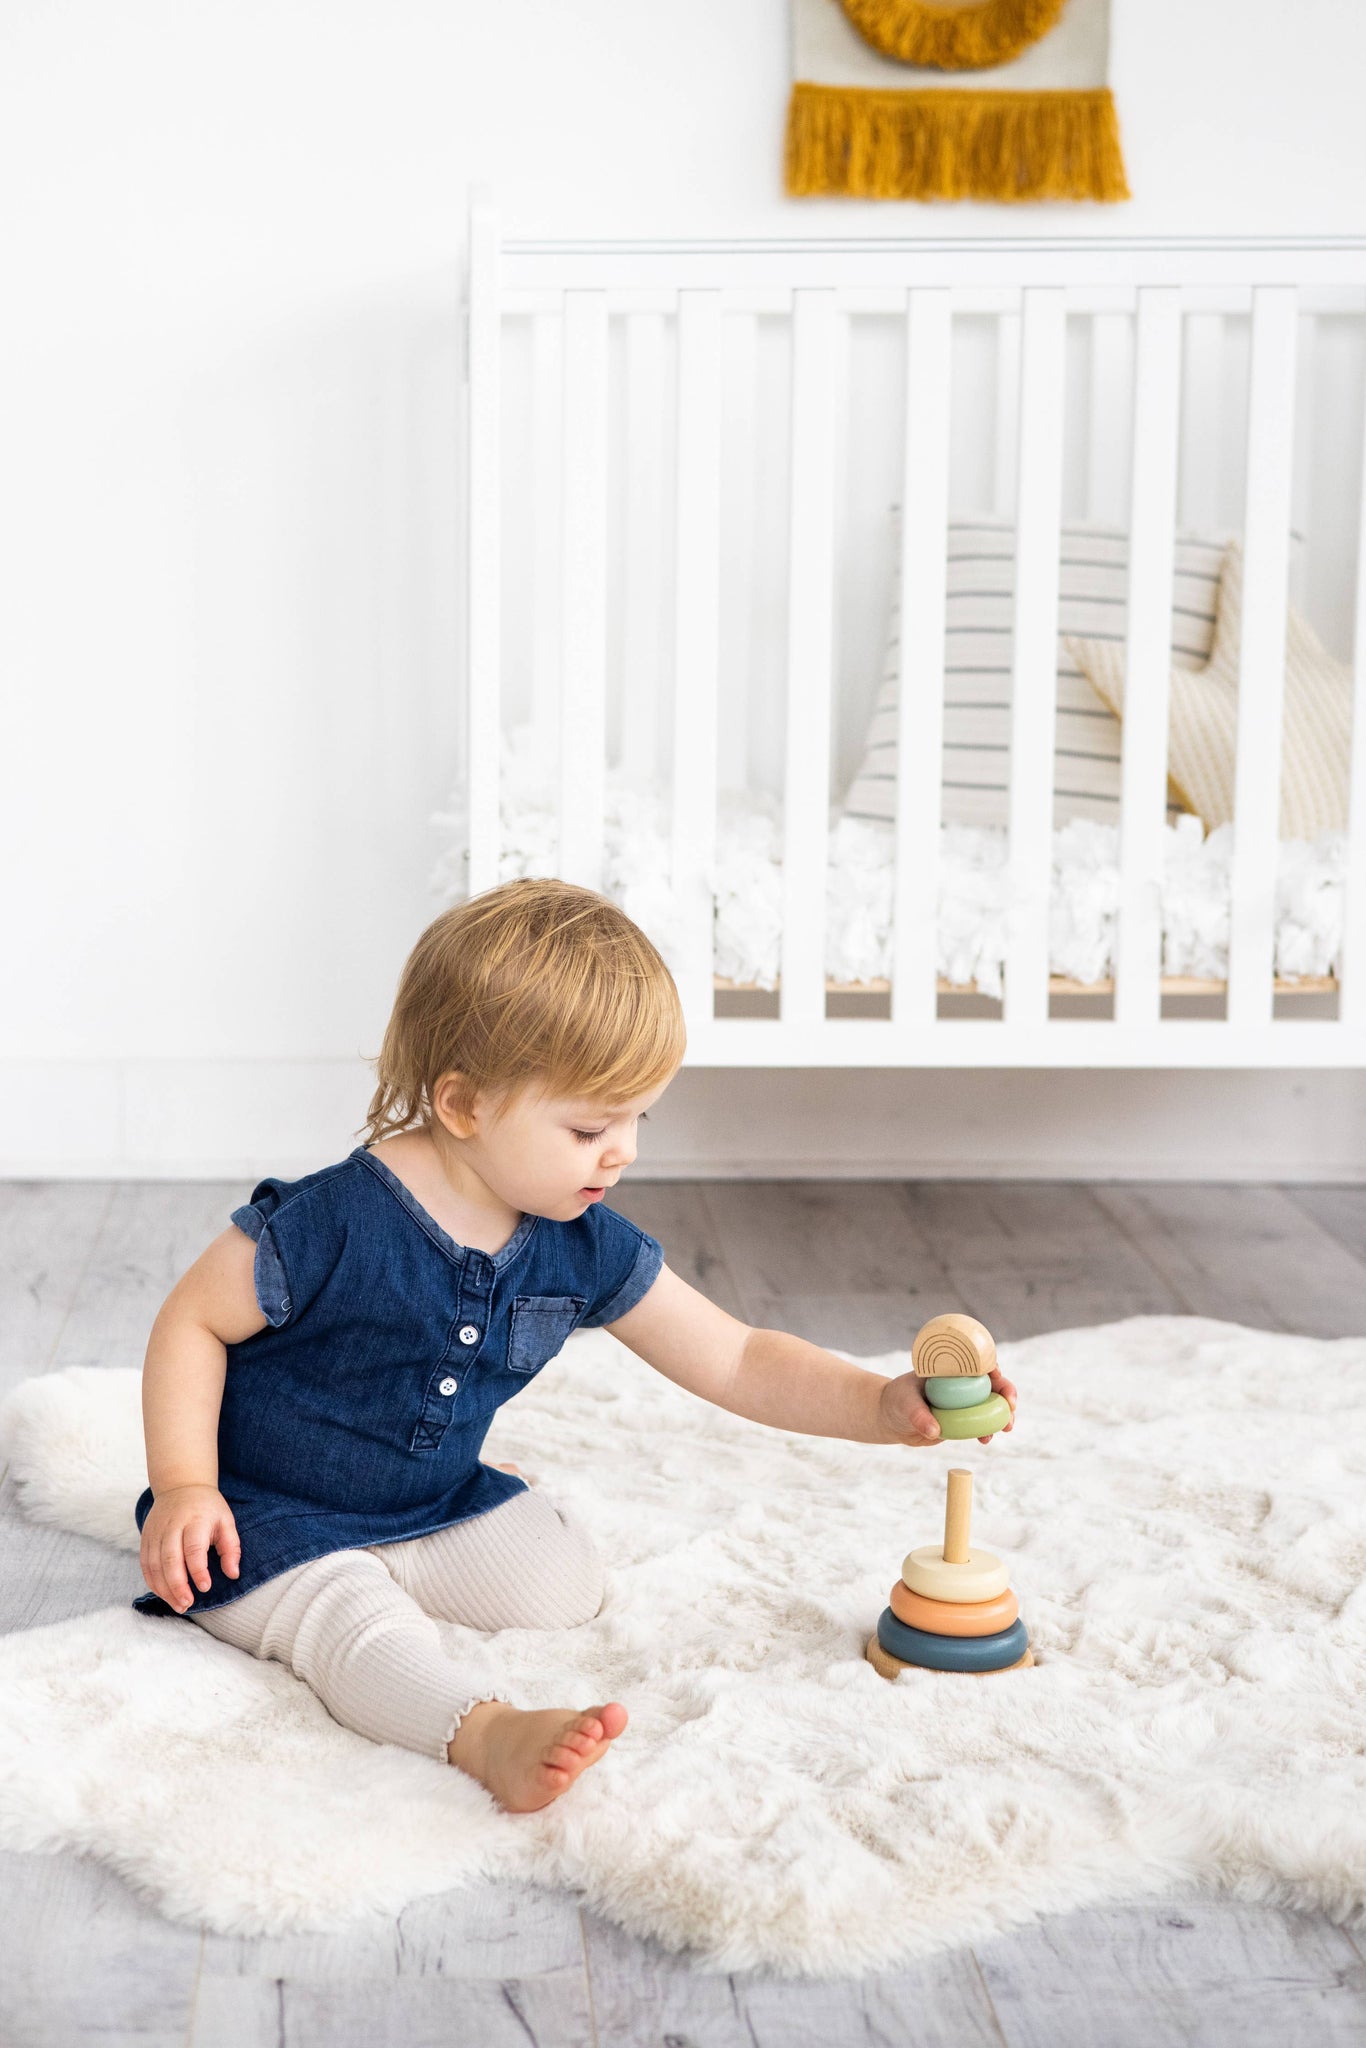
point(954, 1617)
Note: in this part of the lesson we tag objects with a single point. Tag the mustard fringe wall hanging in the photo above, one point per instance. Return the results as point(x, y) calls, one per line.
point(984, 99)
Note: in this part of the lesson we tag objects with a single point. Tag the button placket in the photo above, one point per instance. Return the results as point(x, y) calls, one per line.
point(462, 1347)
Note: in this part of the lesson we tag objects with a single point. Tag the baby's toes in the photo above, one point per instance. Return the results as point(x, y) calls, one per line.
point(565, 1761)
point(583, 1737)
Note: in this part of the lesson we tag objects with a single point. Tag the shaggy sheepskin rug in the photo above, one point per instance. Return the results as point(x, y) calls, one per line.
point(1183, 1509)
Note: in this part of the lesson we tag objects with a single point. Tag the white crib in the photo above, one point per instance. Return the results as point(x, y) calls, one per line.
point(638, 470)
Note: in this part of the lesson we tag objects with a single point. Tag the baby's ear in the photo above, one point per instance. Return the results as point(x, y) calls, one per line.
point(454, 1103)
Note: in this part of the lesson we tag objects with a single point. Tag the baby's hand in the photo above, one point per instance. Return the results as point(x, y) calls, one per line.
point(1001, 1385)
point(181, 1523)
point(910, 1419)
point(905, 1413)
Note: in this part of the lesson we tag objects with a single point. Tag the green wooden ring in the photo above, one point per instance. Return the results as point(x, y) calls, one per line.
point(958, 1393)
point(983, 1419)
point(951, 1653)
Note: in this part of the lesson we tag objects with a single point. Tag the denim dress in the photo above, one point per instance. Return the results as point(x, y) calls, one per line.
point(357, 1415)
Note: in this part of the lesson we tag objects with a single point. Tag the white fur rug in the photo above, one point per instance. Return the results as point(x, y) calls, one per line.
point(1183, 1507)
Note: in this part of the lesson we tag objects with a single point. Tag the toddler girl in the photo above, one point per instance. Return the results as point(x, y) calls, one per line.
point(318, 1385)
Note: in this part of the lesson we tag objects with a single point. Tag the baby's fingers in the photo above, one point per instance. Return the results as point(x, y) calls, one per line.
point(921, 1423)
point(227, 1544)
point(174, 1587)
point(197, 1536)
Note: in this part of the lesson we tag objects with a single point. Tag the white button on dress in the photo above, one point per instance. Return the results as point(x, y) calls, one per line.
point(468, 1334)
point(449, 1386)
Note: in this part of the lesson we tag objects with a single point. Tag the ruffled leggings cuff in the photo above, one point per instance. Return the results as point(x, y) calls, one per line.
point(485, 1693)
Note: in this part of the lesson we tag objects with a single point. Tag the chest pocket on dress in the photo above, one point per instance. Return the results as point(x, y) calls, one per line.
point(540, 1324)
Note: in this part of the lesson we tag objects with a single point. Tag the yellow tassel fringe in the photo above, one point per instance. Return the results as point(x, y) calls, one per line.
point(953, 145)
point(952, 38)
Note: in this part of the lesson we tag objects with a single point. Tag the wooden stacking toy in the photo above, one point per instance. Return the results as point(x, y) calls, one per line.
point(952, 1609)
point(955, 1357)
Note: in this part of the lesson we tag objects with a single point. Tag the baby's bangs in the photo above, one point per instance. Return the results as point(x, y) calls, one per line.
point(619, 1034)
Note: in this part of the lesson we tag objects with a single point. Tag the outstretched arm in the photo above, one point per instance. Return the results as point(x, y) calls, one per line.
point(768, 1375)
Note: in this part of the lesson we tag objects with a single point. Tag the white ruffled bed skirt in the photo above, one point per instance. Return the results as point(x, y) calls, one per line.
point(746, 880)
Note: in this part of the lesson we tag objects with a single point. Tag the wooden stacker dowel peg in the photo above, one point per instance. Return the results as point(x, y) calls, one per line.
point(958, 1516)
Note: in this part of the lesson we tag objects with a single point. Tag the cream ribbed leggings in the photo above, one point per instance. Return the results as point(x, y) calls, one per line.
point(359, 1626)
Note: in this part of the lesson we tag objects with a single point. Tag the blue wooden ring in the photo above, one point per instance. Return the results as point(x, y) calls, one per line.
point(951, 1653)
point(966, 1393)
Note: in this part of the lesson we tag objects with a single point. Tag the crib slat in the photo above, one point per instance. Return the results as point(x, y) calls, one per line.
point(643, 606)
point(920, 722)
point(810, 623)
point(583, 601)
point(547, 384)
point(1143, 773)
point(740, 551)
point(697, 641)
point(483, 595)
point(1261, 674)
point(1302, 479)
point(1034, 687)
point(1352, 1001)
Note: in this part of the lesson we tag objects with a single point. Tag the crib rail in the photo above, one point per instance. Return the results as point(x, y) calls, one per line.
point(658, 324)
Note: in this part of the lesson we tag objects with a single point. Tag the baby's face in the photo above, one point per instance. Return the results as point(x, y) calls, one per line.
point(552, 1156)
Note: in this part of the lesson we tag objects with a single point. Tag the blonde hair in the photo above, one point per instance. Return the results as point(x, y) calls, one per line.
point(534, 981)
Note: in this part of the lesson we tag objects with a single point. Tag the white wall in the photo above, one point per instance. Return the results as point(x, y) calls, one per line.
point(228, 411)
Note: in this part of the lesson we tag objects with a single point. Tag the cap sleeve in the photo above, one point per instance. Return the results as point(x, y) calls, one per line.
point(628, 1264)
point(298, 1238)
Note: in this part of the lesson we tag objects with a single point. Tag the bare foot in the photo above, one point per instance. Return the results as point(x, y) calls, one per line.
point(526, 1759)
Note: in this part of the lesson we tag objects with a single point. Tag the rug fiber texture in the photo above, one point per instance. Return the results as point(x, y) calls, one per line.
point(1182, 1506)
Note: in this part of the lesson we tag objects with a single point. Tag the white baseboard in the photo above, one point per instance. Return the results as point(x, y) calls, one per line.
point(238, 1119)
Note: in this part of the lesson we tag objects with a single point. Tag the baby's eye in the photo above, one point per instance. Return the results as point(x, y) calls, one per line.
point(587, 1137)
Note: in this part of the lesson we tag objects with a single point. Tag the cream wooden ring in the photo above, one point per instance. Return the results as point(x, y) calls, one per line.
point(981, 1578)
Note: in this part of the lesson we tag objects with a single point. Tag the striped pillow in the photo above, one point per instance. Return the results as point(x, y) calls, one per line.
point(977, 671)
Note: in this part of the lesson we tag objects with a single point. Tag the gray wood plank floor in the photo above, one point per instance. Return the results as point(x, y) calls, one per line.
point(857, 1265)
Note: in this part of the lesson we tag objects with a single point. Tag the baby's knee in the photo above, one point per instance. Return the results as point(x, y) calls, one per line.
point(586, 1588)
point(578, 1582)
